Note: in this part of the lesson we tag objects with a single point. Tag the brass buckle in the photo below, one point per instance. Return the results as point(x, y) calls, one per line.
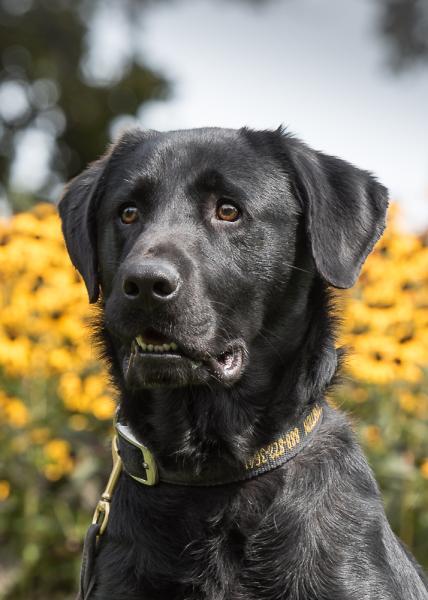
point(149, 462)
point(102, 510)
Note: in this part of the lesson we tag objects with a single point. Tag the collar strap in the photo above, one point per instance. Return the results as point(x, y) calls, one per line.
point(139, 463)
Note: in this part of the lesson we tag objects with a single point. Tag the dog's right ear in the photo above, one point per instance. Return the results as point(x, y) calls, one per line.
point(77, 211)
point(79, 204)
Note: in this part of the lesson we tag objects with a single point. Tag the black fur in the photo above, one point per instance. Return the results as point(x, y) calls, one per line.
point(314, 529)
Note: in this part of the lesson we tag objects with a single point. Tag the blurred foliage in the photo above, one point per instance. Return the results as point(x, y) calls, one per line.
point(404, 25)
point(56, 405)
point(49, 84)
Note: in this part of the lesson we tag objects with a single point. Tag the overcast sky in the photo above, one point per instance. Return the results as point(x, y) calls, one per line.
point(316, 66)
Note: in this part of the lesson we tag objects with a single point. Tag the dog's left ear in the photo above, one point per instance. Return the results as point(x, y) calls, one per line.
point(344, 209)
point(77, 212)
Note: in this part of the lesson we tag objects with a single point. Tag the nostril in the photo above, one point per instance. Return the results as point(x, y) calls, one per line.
point(164, 287)
point(131, 288)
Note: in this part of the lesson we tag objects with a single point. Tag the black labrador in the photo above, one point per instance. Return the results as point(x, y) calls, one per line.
point(213, 251)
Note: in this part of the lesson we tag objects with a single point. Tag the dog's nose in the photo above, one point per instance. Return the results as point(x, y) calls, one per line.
point(154, 281)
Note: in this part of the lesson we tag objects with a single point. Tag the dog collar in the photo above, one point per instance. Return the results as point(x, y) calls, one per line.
point(140, 464)
point(135, 458)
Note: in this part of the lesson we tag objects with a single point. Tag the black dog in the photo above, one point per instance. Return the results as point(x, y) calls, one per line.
point(214, 250)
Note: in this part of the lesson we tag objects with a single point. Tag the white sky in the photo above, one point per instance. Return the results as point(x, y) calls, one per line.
point(316, 66)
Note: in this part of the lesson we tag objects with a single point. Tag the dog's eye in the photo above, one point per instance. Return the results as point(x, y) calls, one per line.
point(227, 212)
point(129, 214)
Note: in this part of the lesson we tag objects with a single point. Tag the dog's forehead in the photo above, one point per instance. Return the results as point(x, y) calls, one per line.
point(184, 154)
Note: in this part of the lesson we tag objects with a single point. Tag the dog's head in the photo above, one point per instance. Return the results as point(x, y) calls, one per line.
point(205, 244)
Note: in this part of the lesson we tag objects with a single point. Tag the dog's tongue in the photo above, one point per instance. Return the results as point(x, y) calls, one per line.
point(151, 336)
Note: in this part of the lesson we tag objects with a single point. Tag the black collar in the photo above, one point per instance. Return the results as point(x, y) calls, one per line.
point(139, 463)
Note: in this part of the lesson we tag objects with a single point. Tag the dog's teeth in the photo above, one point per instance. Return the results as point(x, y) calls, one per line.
point(140, 342)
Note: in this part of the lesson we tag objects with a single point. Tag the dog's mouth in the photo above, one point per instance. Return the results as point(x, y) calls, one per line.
point(154, 360)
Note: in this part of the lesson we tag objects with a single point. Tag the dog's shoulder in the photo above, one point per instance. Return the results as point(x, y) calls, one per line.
point(328, 524)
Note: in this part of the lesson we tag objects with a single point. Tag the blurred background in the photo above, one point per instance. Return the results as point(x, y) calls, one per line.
point(351, 79)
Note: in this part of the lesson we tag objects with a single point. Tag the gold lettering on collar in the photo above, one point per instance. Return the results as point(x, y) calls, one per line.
point(292, 438)
point(250, 463)
point(312, 419)
point(285, 443)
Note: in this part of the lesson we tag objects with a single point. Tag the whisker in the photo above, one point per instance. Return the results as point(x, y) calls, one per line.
point(297, 268)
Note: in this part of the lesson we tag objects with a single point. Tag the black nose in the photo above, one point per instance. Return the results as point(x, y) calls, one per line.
point(151, 281)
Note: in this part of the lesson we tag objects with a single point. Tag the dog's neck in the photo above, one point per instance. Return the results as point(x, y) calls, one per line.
point(177, 424)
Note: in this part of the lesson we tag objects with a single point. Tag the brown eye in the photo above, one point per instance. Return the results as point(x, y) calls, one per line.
point(129, 214)
point(227, 212)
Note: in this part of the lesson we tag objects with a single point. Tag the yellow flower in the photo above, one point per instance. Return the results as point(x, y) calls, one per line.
point(69, 387)
point(60, 462)
point(94, 385)
point(103, 407)
point(16, 412)
point(60, 359)
point(372, 435)
point(78, 422)
point(57, 450)
point(4, 490)
point(371, 370)
point(39, 435)
point(43, 210)
point(53, 472)
point(424, 468)
point(407, 401)
point(15, 356)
